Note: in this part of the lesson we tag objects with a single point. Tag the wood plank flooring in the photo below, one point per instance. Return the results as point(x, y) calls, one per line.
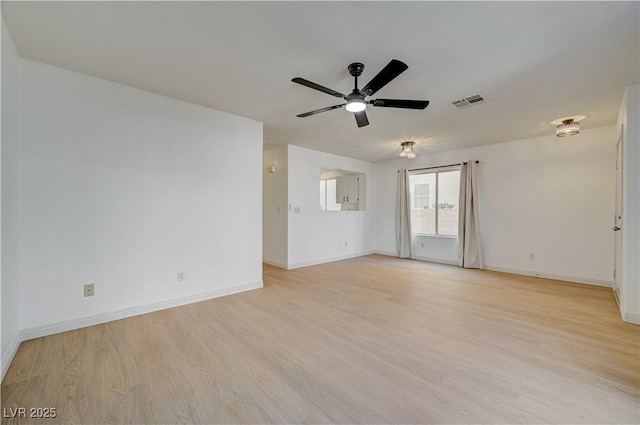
point(368, 340)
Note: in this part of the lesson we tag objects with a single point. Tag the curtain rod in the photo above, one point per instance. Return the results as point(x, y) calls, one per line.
point(438, 166)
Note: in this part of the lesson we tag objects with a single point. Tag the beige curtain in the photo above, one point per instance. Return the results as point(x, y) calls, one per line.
point(403, 216)
point(469, 246)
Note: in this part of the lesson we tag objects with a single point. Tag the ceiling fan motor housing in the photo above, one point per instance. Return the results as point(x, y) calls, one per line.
point(355, 94)
point(355, 69)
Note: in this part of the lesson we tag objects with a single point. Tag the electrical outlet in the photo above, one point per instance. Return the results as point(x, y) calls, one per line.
point(180, 276)
point(532, 256)
point(346, 244)
point(89, 290)
point(421, 244)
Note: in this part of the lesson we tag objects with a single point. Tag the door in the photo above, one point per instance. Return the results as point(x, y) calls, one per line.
point(617, 223)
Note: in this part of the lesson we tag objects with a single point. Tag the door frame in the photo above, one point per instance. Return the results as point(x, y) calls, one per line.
point(617, 222)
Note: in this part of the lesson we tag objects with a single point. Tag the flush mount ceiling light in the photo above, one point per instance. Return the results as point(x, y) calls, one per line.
point(407, 150)
point(568, 126)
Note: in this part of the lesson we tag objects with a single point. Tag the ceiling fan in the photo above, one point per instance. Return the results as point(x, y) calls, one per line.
point(356, 100)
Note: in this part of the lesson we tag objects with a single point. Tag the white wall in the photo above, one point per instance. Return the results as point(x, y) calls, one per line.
point(316, 236)
point(274, 215)
point(125, 188)
point(548, 196)
point(10, 155)
point(629, 121)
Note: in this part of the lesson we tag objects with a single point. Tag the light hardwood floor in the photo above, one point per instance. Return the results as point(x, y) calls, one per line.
point(369, 340)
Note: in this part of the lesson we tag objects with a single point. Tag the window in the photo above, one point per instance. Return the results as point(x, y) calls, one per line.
point(328, 196)
point(434, 202)
point(421, 196)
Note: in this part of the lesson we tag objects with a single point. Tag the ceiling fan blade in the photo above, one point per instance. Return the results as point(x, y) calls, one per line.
point(361, 118)
point(317, 111)
point(400, 103)
point(384, 77)
point(318, 87)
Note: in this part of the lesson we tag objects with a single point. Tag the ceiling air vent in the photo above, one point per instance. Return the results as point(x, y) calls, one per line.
point(468, 101)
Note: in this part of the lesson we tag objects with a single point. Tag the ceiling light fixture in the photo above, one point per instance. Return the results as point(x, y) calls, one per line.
point(356, 105)
point(569, 127)
point(407, 150)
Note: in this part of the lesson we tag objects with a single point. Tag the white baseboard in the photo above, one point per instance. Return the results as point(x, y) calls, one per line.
point(427, 259)
point(565, 278)
point(631, 318)
point(274, 263)
point(615, 295)
point(67, 325)
point(387, 253)
point(326, 260)
point(8, 356)
point(436, 260)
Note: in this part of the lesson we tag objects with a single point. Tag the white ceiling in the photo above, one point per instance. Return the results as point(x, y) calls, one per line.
point(533, 61)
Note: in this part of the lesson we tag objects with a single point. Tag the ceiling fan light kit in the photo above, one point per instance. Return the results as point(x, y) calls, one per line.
point(356, 105)
point(356, 100)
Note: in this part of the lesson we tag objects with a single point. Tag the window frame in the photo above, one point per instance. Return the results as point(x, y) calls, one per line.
point(436, 171)
point(326, 196)
point(427, 196)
